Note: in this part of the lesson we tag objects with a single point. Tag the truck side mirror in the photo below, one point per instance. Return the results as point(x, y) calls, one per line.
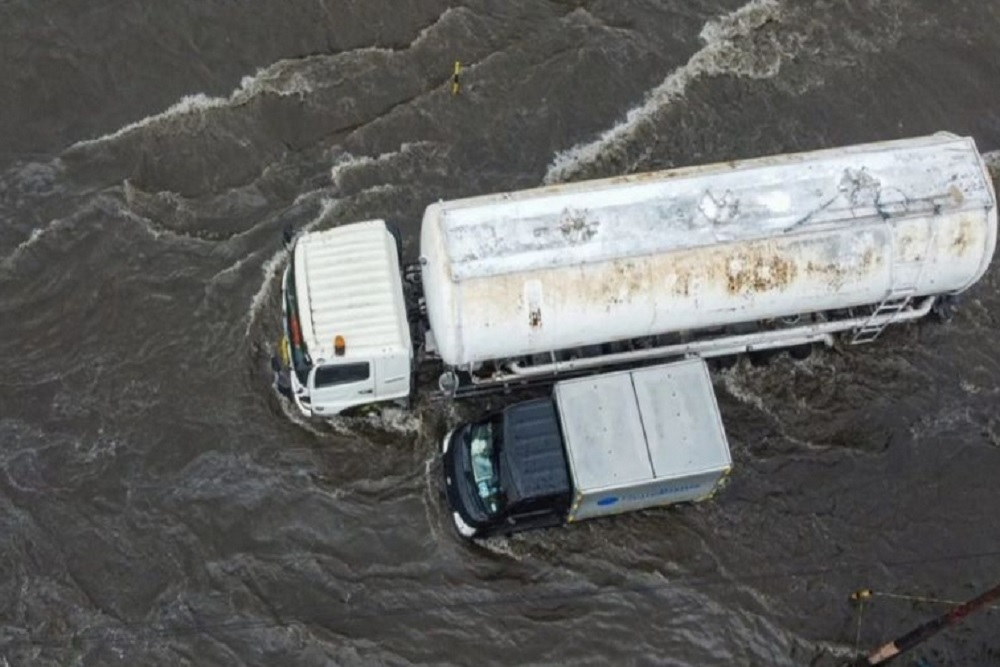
point(288, 237)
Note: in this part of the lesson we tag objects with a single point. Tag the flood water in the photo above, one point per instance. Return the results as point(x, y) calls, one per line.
point(160, 506)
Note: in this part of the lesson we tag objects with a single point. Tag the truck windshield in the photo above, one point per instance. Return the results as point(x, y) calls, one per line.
point(484, 464)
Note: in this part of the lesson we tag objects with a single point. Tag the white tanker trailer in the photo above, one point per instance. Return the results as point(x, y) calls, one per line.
point(527, 287)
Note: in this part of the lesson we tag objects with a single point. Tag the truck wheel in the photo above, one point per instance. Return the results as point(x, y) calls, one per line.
point(724, 362)
point(944, 308)
point(761, 357)
point(800, 352)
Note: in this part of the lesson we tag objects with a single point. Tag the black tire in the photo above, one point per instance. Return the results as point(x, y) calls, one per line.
point(724, 362)
point(761, 357)
point(800, 352)
point(944, 309)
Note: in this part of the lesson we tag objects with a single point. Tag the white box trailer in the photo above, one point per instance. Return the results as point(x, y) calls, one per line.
point(600, 445)
point(528, 286)
point(641, 438)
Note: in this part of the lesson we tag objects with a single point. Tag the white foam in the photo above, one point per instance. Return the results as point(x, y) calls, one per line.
point(720, 55)
point(272, 80)
point(296, 417)
point(188, 104)
point(391, 418)
point(380, 417)
point(346, 162)
point(34, 237)
point(501, 546)
point(232, 268)
point(275, 79)
point(155, 230)
point(272, 265)
point(735, 381)
point(101, 446)
point(283, 78)
point(310, 194)
point(431, 509)
point(26, 244)
point(456, 13)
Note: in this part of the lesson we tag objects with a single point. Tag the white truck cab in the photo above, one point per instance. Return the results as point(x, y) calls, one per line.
point(347, 340)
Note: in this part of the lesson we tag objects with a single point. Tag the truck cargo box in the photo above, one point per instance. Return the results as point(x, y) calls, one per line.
point(641, 438)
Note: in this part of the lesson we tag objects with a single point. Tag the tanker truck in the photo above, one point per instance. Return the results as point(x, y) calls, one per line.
point(523, 288)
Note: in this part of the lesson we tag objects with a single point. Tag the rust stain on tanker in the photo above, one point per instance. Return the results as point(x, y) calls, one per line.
point(750, 269)
point(621, 283)
point(906, 248)
point(963, 238)
point(742, 270)
point(631, 275)
point(756, 270)
point(837, 273)
point(760, 268)
point(956, 195)
point(647, 176)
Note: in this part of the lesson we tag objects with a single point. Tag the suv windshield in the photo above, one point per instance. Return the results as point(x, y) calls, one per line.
point(485, 476)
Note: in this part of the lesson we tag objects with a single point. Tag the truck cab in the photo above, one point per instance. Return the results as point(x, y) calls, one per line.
point(507, 472)
point(346, 337)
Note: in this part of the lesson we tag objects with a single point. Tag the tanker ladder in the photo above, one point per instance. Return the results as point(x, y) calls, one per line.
point(883, 315)
point(899, 296)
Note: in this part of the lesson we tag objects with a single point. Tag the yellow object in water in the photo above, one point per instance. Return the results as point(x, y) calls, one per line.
point(863, 594)
point(285, 355)
point(455, 85)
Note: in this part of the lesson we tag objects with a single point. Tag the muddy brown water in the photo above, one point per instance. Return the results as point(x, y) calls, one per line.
point(160, 506)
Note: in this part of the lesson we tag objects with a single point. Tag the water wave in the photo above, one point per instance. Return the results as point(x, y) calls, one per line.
point(271, 266)
point(283, 78)
point(25, 245)
point(346, 162)
point(724, 52)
